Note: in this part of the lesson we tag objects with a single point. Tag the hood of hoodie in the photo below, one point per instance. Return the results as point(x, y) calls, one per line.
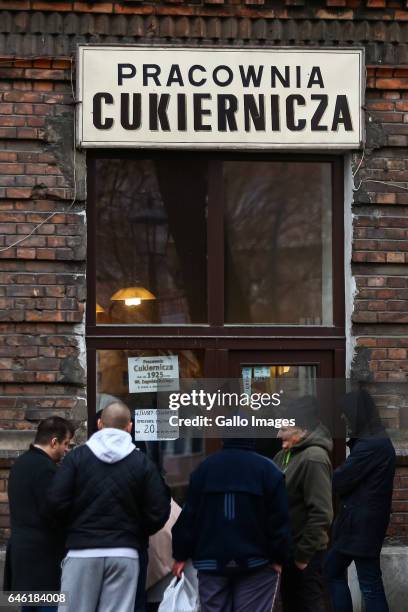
point(111, 445)
point(318, 437)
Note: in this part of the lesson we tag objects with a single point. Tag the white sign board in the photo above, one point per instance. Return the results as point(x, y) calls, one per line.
point(133, 96)
point(152, 374)
point(153, 424)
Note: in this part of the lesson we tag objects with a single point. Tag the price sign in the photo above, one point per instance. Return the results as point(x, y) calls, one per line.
point(154, 425)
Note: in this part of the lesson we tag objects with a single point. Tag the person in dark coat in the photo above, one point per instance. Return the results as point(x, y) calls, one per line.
point(112, 497)
point(364, 484)
point(36, 545)
point(235, 527)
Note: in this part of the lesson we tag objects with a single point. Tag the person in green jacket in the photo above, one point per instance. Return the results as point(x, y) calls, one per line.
point(305, 460)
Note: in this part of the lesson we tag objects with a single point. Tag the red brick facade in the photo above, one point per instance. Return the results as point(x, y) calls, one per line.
point(42, 279)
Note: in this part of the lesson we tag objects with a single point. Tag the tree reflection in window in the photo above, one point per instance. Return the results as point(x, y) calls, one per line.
point(144, 208)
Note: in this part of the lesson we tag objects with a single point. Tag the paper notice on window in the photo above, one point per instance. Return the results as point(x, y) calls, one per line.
point(246, 379)
point(261, 372)
point(153, 425)
point(152, 374)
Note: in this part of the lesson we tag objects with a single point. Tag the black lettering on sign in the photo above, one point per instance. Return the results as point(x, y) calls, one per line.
point(298, 77)
point(315, 77)
point(175, 76)
point(294, 126)
point(200, 112)
point(216, 76)
point(227, 107)
point(126, 71)
point(158, 112)
point(98, 122)
point(275, 116)
point(125, 120)
point(181, 112)
point(151, 71)
point(250, 76)
point(191, 72)
point(254, 112)
point(342, 114)
point(285, 80)
point(319, 112)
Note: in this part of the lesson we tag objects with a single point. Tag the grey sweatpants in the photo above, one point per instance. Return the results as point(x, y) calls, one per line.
point(100, 584)
point(252, 592)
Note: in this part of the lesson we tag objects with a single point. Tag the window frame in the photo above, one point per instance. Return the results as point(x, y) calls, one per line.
point(215, 252)
point(215, 337)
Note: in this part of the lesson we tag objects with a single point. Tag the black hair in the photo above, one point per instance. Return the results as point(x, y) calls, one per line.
point(362, 413)
point(53, 427)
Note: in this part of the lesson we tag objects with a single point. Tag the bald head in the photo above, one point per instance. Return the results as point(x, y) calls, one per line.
point(116, 415)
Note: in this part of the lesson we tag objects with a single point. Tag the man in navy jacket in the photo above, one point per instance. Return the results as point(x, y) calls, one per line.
point(364, 484)
point(235, 528)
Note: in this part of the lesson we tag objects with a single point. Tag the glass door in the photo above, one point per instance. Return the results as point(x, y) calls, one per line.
point(309, 372)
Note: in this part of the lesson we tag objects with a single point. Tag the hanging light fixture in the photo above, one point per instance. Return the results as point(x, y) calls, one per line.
point(99, 309)
point(132, 296)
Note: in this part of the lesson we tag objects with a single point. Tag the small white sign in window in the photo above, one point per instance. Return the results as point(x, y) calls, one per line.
point(152, 374)
point(152, 424)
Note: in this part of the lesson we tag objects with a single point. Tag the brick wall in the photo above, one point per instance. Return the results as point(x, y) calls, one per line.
point(5, 465)
point(380, 243)
point(42, 280)
point(398, 529)
point(379, 264)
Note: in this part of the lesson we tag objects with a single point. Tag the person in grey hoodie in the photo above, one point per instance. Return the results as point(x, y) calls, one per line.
point(305, 461)
point(111, 497)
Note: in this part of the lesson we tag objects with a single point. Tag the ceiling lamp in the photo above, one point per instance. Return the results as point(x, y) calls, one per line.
point(132, 296)
point(99, 309)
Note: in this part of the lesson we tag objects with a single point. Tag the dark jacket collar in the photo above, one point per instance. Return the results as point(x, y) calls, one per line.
point(40, 451)
point(239, 444)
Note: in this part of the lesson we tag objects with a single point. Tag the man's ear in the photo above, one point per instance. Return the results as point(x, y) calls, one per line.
point(53, 442)
point(129, 427)
point(99, 424)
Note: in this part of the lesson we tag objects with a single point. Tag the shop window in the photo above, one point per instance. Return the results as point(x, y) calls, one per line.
point(278, 243)
point(218, 240)
point(151, 242)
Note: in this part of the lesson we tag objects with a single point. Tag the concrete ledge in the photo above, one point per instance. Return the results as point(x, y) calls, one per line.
point(394, 565)
point(15, 439)
point(2, 560)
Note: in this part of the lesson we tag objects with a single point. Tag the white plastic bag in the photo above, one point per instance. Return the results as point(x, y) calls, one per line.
point(180, 596)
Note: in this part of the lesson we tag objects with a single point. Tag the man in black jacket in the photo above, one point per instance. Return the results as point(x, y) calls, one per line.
point(235, 528)
point(364, 484)
point(112, 498)
point(36, 546)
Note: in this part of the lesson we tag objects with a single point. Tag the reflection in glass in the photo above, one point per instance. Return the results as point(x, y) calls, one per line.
point(278, 251)
point(151, 241)
point(268, 379)
point(177, 458)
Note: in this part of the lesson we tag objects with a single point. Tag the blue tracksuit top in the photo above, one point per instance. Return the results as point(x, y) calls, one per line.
point(236, 513)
